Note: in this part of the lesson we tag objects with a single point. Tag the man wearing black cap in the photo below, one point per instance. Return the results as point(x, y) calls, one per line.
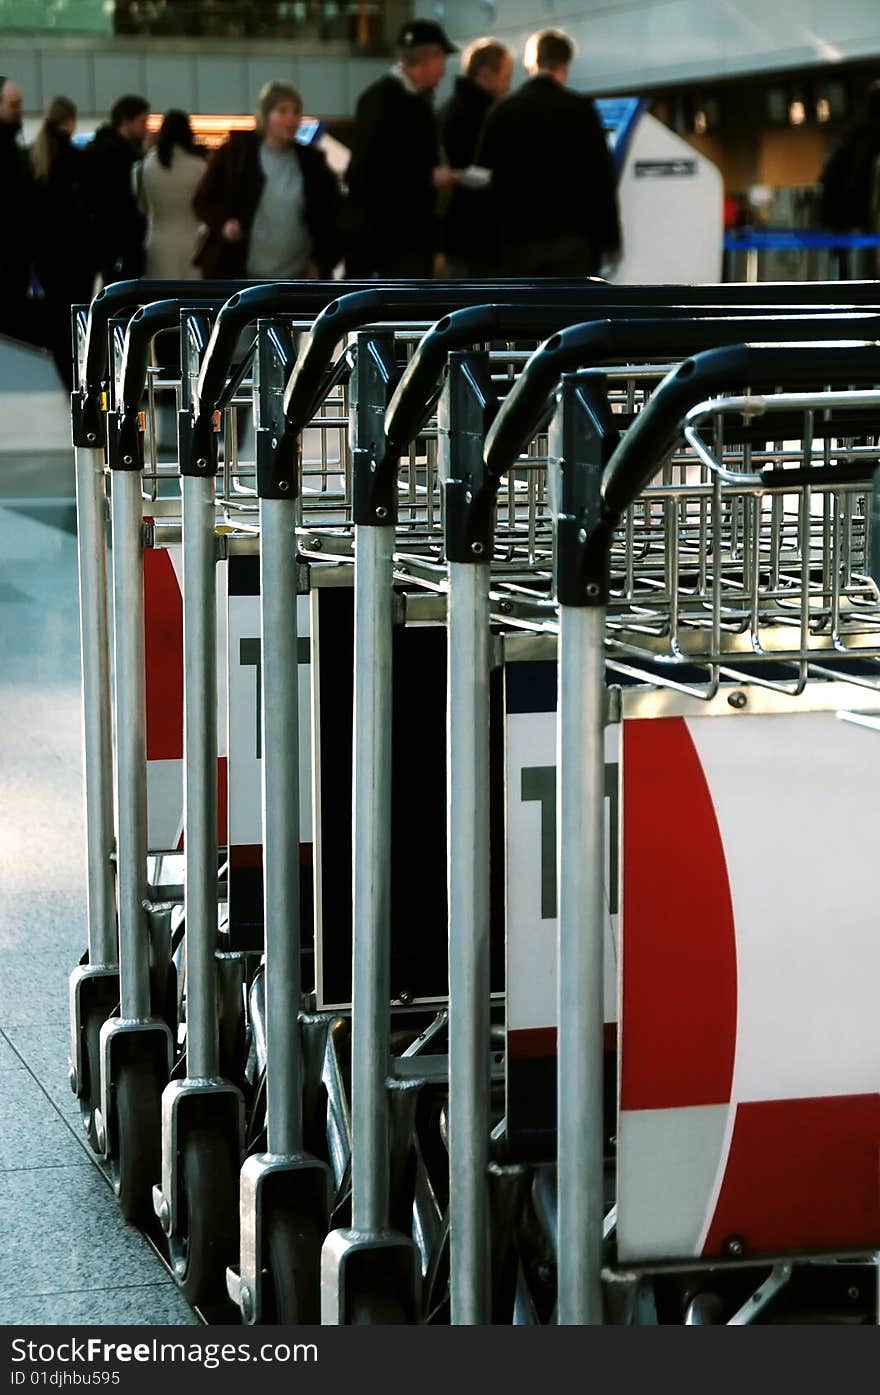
point(397, 166)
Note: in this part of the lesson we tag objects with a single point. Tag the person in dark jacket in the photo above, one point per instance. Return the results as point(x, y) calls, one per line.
point(110, 159)
point(64, 256)
point(487, 67)
point(16, 224)
point(397, 167)
point(553, 191)
point(271, 206)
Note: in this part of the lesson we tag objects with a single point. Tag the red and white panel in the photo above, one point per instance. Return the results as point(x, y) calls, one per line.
point(163, 635)
point(530, 903)
point(749, 1038)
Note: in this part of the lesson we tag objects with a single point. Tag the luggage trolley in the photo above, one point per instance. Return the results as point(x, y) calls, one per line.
point(203, 1111)
point(265, 1221)
point(94, 988)
point(383, 1258)
point(376, 484)
point(751, 594)
point(469, 403)
point(94, 959)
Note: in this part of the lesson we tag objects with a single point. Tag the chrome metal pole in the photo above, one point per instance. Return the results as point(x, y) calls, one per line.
point(94, 629)
point(131, 742)
point(581, 868)
point(467, 717)
point(200, 774)
point(280, 718)
point(371, 856)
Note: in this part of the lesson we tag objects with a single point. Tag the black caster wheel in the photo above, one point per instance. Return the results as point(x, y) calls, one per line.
point(206, 1239)
point(292, 1245)
point(90, 1102)
point(137, 1165)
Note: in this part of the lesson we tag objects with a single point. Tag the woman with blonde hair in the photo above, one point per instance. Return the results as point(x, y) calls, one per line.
point(270, 204)
point(64, 256)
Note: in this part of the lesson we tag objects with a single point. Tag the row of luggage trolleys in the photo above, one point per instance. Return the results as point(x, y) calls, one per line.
point(481, 724)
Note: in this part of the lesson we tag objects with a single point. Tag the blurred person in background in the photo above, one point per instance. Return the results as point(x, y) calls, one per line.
point(165, 183)
point(553, 192)
point(848, 197)
point(64, 255)
point(398, 167)
point(270, 205)
point(487, 68)
point(16, 224)
point(110, 159)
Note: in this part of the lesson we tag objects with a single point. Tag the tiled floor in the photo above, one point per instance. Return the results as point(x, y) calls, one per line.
point(66, 1256)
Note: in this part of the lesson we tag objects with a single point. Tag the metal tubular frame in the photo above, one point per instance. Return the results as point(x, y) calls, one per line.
point(372, 875)
point(280, 718)
point(97, 705)
point(200, 773)
point(468, 899)
point(130, 711)
point(580, 876)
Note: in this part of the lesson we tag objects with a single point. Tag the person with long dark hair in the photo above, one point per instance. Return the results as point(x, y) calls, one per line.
point(64, 257)
point(165, 183)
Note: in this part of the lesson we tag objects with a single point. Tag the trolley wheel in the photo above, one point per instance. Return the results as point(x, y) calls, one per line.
point(138, 1162)
point(292, 1242)
point(207, 1237)
point(90, 1102)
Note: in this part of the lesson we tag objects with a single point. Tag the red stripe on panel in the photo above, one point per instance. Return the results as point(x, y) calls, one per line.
point(222, 803)
point(678, 1023)
point(528, 1043)
point(801, 1175)
point(163, 636)
point(246, 855)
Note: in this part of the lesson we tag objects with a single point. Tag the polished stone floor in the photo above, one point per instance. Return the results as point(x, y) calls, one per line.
point(66, 1256)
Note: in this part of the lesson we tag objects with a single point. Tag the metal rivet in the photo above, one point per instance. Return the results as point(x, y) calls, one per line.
point(592, 589)
point(582, 535)
point(127, 459)
point(737, 700)
point(381, 511)
point(246, 1299)
point(477, 549)
point(734, 1246)
point(165, 1217)
point(90, 436)
point(316, 544)
point(201, 464)
point(505, 607)
point(404, 996)
point(284, 484)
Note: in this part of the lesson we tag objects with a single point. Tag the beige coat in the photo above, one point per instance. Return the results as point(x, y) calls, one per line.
point(165, 198)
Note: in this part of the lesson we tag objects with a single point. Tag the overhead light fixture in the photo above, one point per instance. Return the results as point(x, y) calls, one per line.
point(823, 109)
point(701, 123)
point(797, 113)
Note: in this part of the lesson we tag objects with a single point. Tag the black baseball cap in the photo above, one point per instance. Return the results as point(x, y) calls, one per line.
point(424, 31)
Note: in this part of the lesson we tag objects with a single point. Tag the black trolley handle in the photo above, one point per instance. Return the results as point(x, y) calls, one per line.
point(659, 426)
point(422, 302)
point(608, 341)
